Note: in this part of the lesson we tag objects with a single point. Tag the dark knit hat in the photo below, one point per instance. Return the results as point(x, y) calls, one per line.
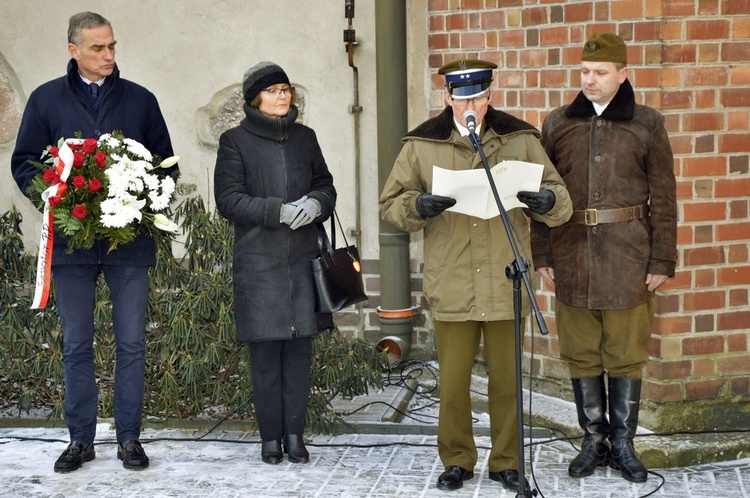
point(260, 76)
point(467, 78)
point(605, 47)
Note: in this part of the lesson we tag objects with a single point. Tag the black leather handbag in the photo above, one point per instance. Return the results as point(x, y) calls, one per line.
point(337, 273)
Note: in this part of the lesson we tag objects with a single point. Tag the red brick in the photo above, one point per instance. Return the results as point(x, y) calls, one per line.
point(703, 166)
point(578, 12)
point(706, 76)
point(512, 38)
point(493, 19)
point(708, 30)
point(553, 78)
point(703, 256)
point(626, 9)
point(703, 389)
point(681, 280)
point(735, 51)
point(472, 4)
point(735, 97)
point(705, 99)
point(737, 343)
point(735, 142)
point(681, 144)
point(735, 7)
point(661, 393)
point(437, 42)
point(733, 231)
point(738, 253)
point(704, 367)
point(704, 211)
point(741, 28)
point(708, 7)
point(709, 300)
point(740, 75)
point(738, 297)
point(705, 278)
point(739, 187)
point(673, 325)
point(734, 365)
point(739, 121)
point(739, 320)
point(647, 31)
point(674, 369)
point(678, 8)
point(679, 53)
point(695, 346)
point(708, 53)
point(534, 58)
point(434, 5)
point(455, 22)
point(705, 121)
point(554, 36)
point(734, 275)
point(534, 16)
point(740, 387)
point(472, 40)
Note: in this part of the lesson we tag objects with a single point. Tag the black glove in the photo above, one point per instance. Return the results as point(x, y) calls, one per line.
point(539, 202)
point(430, 205)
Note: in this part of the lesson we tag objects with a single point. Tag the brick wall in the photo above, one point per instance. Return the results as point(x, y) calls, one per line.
point(689, 59)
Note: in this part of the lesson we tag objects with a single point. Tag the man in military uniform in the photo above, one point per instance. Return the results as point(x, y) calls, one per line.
point(465, 259)
point(617, 249)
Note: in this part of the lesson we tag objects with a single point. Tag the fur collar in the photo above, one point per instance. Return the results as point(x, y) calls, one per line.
point(440, 127)
point(621, 108)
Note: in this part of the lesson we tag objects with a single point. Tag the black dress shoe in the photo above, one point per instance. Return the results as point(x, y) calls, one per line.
point(294, 446)
point(132, 455)
point(508, 478)
point(270, 451)
point(453, 477)
point(74, 456)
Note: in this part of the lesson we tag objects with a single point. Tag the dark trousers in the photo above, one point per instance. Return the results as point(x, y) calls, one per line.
point(281, 386)
point(75, 287)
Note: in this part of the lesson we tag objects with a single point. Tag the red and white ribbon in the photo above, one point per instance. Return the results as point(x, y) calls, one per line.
point(62, 164)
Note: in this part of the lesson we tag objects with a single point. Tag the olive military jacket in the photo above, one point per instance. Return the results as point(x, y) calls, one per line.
point(617, 160)
point(465, 257)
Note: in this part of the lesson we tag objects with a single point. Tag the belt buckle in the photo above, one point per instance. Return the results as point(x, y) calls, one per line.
point(590, 214)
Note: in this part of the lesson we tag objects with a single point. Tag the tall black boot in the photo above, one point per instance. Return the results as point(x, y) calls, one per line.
point(591, 404)
point(624, 403)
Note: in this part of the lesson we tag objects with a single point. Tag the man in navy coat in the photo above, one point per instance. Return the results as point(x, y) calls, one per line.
point(92, 99)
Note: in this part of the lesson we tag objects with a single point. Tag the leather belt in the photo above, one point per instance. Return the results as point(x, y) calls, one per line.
point(593, 217)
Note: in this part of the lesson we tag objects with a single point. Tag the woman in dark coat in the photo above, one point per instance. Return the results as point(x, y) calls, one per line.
point(272, 183)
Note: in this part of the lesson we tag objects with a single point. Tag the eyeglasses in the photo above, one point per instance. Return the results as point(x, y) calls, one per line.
point(476, 100)
point(278, 92)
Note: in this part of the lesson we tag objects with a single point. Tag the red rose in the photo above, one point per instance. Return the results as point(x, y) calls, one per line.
point(78, 158)
point(80, 211)
point(53, 151)
point(79, 181)
point(75, 146)
point(101, 159)
point(54, 200)
point(90, 145)
point(95, 185)
point(50, 176)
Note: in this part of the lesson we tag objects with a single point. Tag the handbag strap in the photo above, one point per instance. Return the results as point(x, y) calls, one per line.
point(333, 230)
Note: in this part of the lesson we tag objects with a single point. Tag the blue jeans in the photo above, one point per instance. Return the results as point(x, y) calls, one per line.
point(75, 287)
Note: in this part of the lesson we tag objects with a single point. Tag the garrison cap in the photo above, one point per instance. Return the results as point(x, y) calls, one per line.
point(605, 47)
point(467, 78)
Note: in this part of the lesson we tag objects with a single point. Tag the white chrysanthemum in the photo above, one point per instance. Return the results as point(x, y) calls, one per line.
point(151, 181)
point(158, 202)
point(167, 186)
point(137, 148)
point(115, 220)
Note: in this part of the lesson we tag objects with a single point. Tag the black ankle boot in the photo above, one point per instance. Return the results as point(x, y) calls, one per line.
point(270, 451)
point(591, 404)
point(294, 446)
point(624, 403)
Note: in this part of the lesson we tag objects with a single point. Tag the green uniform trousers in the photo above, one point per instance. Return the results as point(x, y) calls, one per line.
point(457, 345)
point(592, 341)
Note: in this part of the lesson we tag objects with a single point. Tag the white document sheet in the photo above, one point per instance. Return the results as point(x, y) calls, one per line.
point(472, 191)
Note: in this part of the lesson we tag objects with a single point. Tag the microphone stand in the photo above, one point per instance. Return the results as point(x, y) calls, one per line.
point(516, 271)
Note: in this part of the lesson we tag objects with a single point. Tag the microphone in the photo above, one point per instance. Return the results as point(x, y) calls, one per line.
point(470, 118)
